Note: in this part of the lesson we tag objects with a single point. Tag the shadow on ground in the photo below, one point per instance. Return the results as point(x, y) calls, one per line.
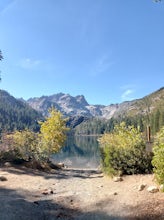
point(21, 205)
point(54, 174)
point(15, 206)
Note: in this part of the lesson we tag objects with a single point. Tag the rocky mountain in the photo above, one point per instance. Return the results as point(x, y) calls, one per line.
point(20, 114)
point(78, 106)
point(67, 104)
point(70, 106)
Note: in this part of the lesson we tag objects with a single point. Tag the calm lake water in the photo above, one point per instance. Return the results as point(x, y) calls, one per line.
point(80, 152)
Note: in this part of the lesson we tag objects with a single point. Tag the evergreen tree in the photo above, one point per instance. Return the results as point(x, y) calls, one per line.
point(156, 120)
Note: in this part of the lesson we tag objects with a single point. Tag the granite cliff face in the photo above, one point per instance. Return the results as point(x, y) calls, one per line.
point(78, 106)
point(71, 106)
point(66, 103)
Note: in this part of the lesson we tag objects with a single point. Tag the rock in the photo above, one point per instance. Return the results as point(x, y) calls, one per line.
point(117, 179)
point(161, 187)
point(55, 165)
point(152, 189)
point(100, 186)
point(141, 187)
point(51, 191)
point(47, 191)
point(3, 178)
point(115, 193)
point(60, 165)
point(36, 202)
point(7, 164)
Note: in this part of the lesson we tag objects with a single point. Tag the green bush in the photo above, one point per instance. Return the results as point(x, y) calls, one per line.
point(158, 158)
point(7, 150)
point(27, 145)
point(124, 152)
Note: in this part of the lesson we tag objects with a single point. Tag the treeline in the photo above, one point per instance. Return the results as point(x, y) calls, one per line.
point(157, 120)
point(100, 126)
point(16, 115)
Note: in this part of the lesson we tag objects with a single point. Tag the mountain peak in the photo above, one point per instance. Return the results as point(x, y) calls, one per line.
point(66, 103)
point(73, 106)
point(81, 99)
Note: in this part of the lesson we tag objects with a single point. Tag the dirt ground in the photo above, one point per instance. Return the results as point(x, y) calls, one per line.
point(76, 194)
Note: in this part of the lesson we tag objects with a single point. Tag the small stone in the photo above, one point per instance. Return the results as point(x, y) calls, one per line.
point(161, 187)
point(7, 164)
point(51, 191)
point(117, 179)
point(152, 189)
point(45, 192)
point(36, 202)
point(60, 165)
point(3, 178)
point(115, 193)
point(135, 187)
point(141, 187)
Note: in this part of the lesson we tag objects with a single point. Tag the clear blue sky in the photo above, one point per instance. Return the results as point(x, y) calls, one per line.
point(108, 50)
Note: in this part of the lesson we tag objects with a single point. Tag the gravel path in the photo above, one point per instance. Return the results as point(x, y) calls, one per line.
point(76, 194)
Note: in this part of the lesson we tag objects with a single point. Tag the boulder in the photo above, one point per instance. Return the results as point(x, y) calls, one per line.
point(60, 165)
point(161, 187)
point(3, 178)
point(117, 179)
point(152, 189)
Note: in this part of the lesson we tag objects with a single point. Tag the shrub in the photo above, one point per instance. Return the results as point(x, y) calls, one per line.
point(53, 132)
point(27, 144)
point(36, 147)
point(7, 150)
point(124, 151)
point(158, 158)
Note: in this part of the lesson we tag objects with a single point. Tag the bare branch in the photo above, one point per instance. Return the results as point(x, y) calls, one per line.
point(1, 57)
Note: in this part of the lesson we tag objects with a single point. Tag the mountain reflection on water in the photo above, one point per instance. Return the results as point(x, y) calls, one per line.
point(79, 152)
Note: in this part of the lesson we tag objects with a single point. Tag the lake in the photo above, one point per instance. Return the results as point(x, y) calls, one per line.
point(79, 152)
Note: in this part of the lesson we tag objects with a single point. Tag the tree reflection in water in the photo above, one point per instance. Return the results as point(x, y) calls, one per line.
point(79, 152)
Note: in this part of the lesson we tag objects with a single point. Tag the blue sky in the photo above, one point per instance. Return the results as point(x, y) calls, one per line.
point(108, 50)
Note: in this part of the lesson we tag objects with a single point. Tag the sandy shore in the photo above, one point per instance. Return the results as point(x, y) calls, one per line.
point(76, 194)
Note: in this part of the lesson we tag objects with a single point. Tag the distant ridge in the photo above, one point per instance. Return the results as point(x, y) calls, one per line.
point(18, 114)
point(78, 106)
point(15, 114)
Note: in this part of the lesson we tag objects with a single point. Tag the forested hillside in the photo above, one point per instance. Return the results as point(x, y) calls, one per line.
point(148, 111)
point(99, 126)
point(15, 114)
